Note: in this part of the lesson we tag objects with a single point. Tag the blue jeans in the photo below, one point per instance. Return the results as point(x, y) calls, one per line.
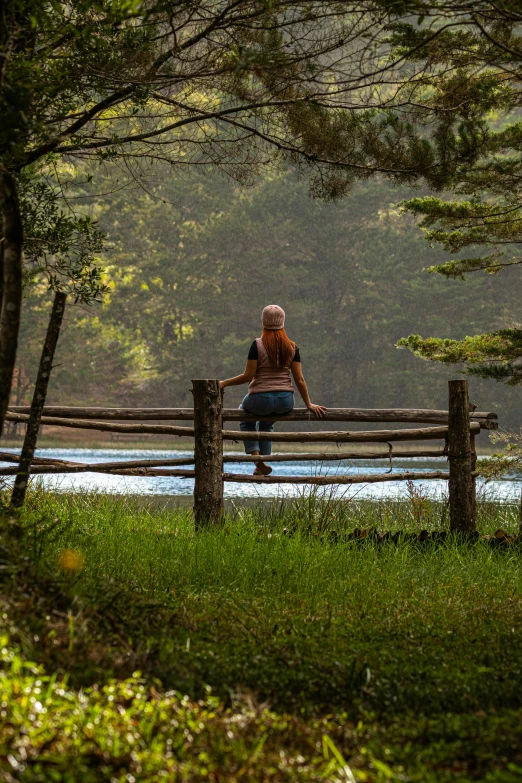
point(263, 404)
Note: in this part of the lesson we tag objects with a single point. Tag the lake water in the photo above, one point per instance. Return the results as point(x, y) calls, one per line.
point(508, 489)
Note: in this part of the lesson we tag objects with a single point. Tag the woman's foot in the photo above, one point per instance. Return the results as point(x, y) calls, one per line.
point(262, 469)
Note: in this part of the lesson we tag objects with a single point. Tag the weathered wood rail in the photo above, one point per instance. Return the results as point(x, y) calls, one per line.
point(457, 428)
point(404, 415)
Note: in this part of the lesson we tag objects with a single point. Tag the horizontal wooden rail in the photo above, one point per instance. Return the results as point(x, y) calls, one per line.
point(487, 420)
point(43, 465)
point(327, 456)
point(336, 456)
point(94, 467)
point(377, 436)
point(42, 470)
point(8, 456)
point(137, 429)
point(376, 415)
point(371, 436)
point(369, 478)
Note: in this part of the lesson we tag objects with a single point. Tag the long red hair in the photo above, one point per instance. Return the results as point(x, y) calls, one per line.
point(279, 347)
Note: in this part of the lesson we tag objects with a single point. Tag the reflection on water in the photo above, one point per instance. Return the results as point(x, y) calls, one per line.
point(508, 489)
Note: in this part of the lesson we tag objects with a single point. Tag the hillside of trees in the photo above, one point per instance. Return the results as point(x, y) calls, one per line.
point(192, 260)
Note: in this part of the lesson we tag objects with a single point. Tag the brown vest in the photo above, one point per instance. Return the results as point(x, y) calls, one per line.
point(269, 378)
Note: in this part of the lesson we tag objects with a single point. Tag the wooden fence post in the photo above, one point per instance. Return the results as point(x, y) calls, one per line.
point(461, 481)
point(473, 444)
point(208, 452)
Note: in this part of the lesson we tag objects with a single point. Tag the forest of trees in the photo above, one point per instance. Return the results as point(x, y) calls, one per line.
point(358, 103)
point(192, 260)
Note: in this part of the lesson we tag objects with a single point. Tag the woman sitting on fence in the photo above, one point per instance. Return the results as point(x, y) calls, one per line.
point(271, 359)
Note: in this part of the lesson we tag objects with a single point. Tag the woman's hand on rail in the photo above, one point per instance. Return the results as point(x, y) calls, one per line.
point(319, 410)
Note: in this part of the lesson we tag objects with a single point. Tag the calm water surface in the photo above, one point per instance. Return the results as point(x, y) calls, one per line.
point(508, 489)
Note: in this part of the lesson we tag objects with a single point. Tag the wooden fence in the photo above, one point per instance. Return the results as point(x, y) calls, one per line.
point(457, 428)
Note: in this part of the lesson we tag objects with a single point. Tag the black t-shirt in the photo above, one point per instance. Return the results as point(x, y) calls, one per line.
point(253, 354)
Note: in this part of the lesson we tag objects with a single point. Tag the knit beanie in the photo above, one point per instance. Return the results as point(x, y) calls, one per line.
point(273, 317)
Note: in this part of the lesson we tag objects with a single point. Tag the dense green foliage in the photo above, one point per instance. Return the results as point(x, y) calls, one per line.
point(61, 244)
point(191, 263)
point(467, 58)
point(126, 729)
point(220, 87)
point(406, 658)
point(234, 84)
point(501, 350)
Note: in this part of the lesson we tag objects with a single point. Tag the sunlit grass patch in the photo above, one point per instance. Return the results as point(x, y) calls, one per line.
point(404, 660)
point(271, 602)
point(128, 730)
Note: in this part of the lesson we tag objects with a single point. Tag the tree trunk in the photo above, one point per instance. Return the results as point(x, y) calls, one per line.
point(37, 405)
point(12, 242)
point(1, 269)
point(16, 394)
point(18, 398)
point(473, 488)
point(208, 453)
point(18, 389)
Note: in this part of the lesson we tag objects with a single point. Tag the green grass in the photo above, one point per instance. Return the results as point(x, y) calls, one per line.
point(128, 731)
point(407, 658)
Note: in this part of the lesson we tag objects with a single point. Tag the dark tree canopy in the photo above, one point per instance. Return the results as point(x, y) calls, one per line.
point(466, 106)
point(233, 83)
point(411, 90)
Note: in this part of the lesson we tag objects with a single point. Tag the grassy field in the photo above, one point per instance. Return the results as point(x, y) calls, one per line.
point(326, 658)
